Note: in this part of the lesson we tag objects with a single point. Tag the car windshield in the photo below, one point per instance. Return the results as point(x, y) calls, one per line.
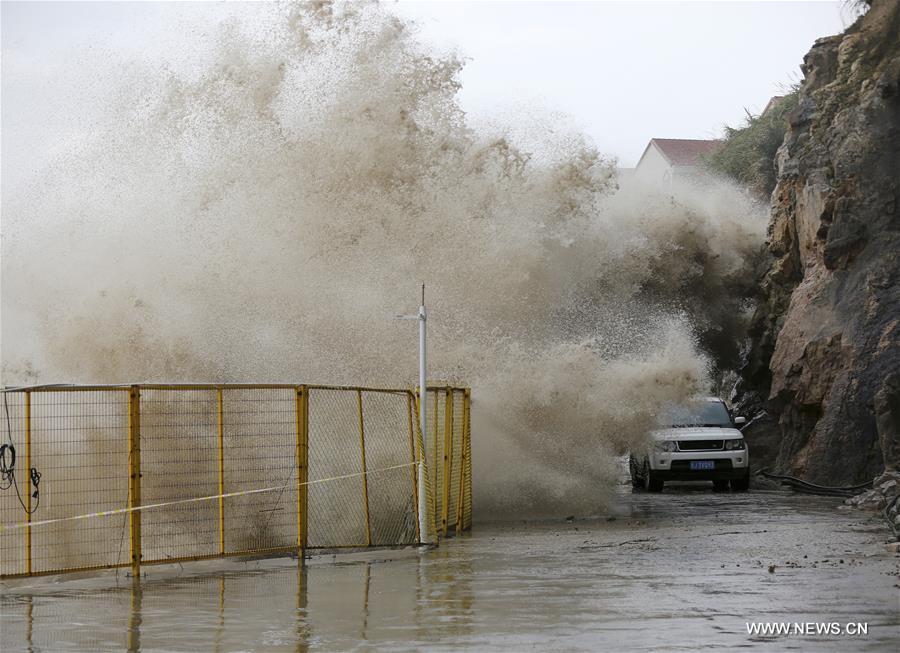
point(701, 413)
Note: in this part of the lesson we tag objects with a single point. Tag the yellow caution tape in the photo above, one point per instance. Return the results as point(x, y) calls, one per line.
point(119, 511)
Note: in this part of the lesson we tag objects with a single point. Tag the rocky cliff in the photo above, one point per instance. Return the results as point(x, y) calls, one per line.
point(827, 334)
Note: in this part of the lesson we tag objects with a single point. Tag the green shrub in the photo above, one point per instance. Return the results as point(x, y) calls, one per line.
point(748, 152)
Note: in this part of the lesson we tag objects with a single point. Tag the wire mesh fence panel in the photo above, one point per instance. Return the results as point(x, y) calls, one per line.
point(12, 497)
point(453, 462)
point(79, 445)
point(392, 492)
point(337, 511)
point(467, 489)
point(192, 472)
point(179, 461)
point(259, 451)
point(457, 471)
point(434, 445)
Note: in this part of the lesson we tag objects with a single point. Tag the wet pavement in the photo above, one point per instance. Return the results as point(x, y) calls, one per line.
point(680, 571)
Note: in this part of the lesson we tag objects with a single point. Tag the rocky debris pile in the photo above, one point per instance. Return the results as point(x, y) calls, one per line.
point(884, 496)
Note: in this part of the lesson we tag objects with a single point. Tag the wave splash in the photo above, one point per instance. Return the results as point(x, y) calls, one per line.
point(260, 209)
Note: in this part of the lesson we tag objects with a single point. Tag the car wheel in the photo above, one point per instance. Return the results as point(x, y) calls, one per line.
point(741, 484)
point(720, 486)
point(651, 482)
point(637, 481)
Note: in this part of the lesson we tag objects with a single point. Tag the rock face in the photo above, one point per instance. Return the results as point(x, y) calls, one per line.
point(883, 497)
point(887, 417)
point(827, 334)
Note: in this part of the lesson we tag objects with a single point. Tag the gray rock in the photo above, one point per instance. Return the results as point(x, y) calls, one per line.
point(889, 489)
point(887, 417)
point(826, 335)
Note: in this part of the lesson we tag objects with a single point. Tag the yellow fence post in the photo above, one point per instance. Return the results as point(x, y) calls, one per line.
point(415, 467)
point(365, 479)
point(462, 465)
point(220, 410)
point(467, 497)
point(27, 482)
point(448, 462)
point(134, 478)
point(302, 468)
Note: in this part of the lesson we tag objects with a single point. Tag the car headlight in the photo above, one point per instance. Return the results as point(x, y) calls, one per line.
point(665, 445)
point(737, 443)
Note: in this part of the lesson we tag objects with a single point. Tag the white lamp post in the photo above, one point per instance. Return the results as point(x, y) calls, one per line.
point(423, 410)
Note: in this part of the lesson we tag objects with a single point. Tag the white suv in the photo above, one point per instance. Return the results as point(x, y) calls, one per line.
point(698, 441)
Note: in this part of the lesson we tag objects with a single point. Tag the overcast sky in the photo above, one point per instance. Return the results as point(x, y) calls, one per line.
point(630, 71)
point(624, 71)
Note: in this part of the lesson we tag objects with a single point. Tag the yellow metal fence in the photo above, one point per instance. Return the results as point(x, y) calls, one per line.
point(449, 446)
point(144, 474)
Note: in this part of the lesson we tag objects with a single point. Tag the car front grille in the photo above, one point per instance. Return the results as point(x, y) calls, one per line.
point(701, 445)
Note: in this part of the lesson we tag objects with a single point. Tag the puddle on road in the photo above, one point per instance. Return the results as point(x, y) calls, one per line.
point(687, 568)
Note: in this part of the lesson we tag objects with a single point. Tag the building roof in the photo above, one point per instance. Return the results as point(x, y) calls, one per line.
point(683, 152)
point(774, 101)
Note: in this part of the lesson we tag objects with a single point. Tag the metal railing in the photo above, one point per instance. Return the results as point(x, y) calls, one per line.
point(448, 448)
point(121, 476)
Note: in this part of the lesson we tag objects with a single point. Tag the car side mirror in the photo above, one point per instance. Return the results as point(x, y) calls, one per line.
point(740, 420)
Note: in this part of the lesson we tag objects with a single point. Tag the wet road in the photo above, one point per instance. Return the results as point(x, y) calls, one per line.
point(681, 571)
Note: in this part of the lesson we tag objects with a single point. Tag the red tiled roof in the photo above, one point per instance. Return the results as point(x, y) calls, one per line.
point(773, 102)
point(685, 152)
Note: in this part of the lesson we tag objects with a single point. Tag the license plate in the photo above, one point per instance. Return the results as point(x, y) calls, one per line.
point(702, 465)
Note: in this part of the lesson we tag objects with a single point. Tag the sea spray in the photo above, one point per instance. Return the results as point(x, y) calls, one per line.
point(260, 208)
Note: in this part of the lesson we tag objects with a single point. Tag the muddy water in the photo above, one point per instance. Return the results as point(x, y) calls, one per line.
point(683, 570)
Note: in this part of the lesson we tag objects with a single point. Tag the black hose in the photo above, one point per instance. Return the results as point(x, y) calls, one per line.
point(806, 487)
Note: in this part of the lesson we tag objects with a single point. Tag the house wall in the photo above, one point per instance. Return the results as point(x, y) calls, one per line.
point(653, 167)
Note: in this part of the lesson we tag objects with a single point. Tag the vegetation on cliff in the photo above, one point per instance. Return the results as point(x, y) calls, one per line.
point(748, 152)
